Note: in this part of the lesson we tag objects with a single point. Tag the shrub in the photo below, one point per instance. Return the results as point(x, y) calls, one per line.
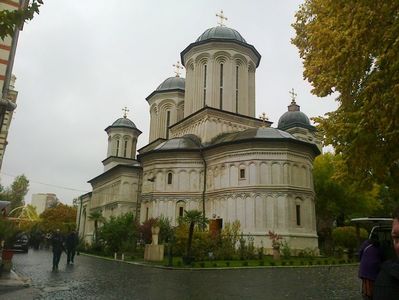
point(202, 264)
point(307, 252)
point(346, 236)
point(227, 264)
point(119, 233)
point(261, 263)
point(285, 249)
point(245, 263)
point(272, 263)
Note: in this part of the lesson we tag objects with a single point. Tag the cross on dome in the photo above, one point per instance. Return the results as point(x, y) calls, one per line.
point(125, 111)
point(221, 17)
point(178, 67)
point(264, 118)
point(293, 95)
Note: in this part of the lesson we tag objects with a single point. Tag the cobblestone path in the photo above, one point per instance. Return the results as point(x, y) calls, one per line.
point(93, 278)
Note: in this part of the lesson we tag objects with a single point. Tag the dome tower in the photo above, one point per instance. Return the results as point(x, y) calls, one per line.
point(166, 106)
point(122, 141)
point(220, 72)
point(297, 123)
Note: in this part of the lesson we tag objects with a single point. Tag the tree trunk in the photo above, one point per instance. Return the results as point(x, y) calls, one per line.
point(190, 238)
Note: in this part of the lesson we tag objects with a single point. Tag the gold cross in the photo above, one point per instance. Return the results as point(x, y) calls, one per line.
point(293, 95)
point(125, 110)
point(264, 118)
point(221, 17)
point(178, 67)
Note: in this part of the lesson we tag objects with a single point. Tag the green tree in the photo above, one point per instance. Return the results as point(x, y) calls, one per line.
point(16, 192)
point(96, 217)
point(192, 218)
point(351, 48)
point(337, 201)
point(120, 233)
point(61, 217)
point(10, 19)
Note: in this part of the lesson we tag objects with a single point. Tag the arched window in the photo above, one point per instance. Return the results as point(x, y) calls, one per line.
point(125, 149)
point(205, 67)
point(221, 87)
point(170, 177)
point(180, 207)
point(236, 89)
point(167, 123)
point(298, 214)
point(117, 148)
point(242, 173)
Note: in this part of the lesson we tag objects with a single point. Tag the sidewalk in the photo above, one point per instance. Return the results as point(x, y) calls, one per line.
point(13, 280)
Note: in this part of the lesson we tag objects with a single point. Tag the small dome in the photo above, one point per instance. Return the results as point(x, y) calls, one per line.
point(172, 83)
point(124, 122)
point(185, 142)
point(294, 118)
point(221, 32)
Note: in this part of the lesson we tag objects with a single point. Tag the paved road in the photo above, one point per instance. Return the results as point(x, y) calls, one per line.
point(93, 278)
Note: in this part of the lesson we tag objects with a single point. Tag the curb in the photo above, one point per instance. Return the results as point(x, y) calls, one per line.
point(13, 280)
point(213, 268)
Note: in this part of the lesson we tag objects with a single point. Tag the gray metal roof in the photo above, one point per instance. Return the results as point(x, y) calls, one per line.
point(124, 122)
point(294, 118)
point(221, 32)
point(253, 133)
point(186, 142)
point(172, 83)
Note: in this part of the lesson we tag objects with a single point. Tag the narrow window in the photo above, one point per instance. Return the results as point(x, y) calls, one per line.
point(242, 173)
point(221, 87)
point(181, 211)
point(117, 148)
point(236, 89)
point(167, 123)
point(298, 215)
point(204, 85)
point(125, 149)
point(146, 213)
point(170, 178)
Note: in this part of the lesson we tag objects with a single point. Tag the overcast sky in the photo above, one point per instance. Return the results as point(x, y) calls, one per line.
point(79, 63)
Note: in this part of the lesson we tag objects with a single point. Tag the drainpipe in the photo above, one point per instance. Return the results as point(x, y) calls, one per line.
point(80, 213)
point(203, 188)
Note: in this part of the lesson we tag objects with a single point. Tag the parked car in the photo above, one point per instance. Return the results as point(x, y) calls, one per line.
point(380, 227)
point(22, 243)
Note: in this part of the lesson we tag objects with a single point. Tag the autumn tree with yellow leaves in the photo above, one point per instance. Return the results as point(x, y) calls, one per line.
point(351, 49)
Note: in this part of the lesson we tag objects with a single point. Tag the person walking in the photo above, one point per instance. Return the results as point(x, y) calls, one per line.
point(72, 242)
point(57, 243)
point(371, 258)
point(386, 286)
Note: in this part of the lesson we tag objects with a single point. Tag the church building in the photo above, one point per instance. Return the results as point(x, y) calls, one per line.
point(208, 151)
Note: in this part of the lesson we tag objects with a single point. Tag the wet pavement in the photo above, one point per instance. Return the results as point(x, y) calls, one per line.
point(94, 278)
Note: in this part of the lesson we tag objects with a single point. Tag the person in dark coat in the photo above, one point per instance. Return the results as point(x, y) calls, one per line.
point(386, 286)
point(57, 243)
point(371, 257)
point(71, 244)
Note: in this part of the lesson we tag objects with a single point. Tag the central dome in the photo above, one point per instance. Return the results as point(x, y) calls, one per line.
point(221, 32)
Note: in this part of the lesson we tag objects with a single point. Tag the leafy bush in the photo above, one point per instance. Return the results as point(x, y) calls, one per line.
point(285, 249)
point(202, 243)
point(346, 236)
point(307, 252)
point(145, 230)
point(225, 247)
point(119, 233)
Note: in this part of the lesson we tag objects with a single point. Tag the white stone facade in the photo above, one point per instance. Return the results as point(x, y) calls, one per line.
point(207, 151)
